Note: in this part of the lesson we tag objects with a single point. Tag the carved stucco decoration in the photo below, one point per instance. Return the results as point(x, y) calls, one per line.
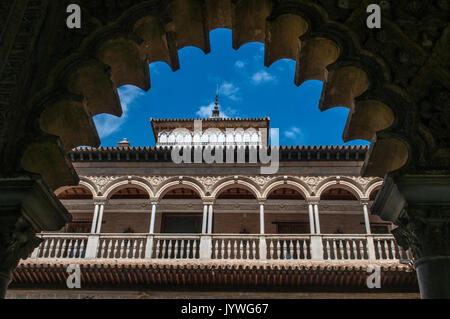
point(156, 180)
point(418, 229)
point(17, 241)
point(208, 181)
point(363, 181)
point(261, 180)
point(312, 181)
point(102, 181)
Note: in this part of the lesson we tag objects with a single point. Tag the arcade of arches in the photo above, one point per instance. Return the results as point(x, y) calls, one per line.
point(394, 80)
point(284, 210)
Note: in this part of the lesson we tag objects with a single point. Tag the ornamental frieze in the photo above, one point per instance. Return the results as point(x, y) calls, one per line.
point(156, 180)
point(312, 181)
point(363, 181)
point(261, 180)
point(208, 181)
point(102, 181)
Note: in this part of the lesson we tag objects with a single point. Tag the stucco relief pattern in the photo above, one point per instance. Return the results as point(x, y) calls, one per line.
point(210, 183)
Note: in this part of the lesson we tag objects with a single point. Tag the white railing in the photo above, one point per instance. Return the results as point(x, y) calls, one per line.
point(235, 247)
point(386, 248)
point(121, 246)
point(316, 247)
point(175, 246)
point(288, 247)
point(62, 246)
point(345, 247)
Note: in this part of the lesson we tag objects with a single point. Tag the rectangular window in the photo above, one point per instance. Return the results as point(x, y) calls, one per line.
point(292, 227)
point(182, 223)
point(79, 226)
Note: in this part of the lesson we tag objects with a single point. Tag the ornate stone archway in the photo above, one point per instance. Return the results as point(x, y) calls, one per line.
point(395, 81)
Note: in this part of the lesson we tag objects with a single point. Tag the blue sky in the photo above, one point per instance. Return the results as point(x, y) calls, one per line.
point(247, 89)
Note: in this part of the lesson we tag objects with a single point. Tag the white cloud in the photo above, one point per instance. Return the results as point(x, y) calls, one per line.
point(206, 111)
point(240, 64)
point(262, 77)
point(107, 124)
point(294, 133)
point(229, 90)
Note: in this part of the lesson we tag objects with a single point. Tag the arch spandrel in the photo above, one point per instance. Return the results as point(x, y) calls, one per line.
point(372, 187)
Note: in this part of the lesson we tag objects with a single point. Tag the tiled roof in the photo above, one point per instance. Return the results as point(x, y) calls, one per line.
point(220, 273)
point(163, 153)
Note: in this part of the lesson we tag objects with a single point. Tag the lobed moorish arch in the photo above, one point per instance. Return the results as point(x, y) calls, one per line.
point(119, 53)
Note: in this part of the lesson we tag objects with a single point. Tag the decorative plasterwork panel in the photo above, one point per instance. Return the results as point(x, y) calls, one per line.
point(156, 180)
point(313, 181)
point(363, 181)
point(261, 180)
point(102, 181)
point(208, 181)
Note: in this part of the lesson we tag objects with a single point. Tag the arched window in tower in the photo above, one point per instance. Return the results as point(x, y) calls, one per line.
point(163, 138)
point(172, 138)
point(205, 138)
point(239, 136)
point(221, 137)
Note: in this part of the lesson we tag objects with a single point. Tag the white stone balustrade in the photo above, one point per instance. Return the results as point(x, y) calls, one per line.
point(316, 247)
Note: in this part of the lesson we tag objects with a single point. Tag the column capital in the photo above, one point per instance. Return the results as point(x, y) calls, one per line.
point(364, 201)
point(154, 201)
point(262, 201)
point(100, 199)
point(208, 200)
point(420, 206)
point(314, 200)
point(27, 206)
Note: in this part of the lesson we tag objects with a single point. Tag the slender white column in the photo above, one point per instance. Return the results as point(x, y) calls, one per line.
point(311, 219)
point(100, 218)
point(152, 218)
point(94, 219)
point(316, 217)
point(210, 219)
point(261, 218)
point(366, 217)
point(205, 218)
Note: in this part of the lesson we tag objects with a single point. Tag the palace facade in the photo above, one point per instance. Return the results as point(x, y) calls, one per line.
point(144, 226)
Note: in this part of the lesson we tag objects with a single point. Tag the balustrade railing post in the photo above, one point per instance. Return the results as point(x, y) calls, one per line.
point(371, 248)
point(92, 246)
point(316, 247)
point(149, 247)
point(205, 247)
point(262, 248)
point(35, 253)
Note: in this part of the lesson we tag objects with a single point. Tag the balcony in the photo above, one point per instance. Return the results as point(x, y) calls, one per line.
point(209, 247)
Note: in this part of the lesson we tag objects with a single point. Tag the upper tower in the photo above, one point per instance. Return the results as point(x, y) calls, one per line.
point(214, 130)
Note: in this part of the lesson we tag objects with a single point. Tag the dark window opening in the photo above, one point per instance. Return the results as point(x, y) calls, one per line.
point(292, 227)
point(182, 223)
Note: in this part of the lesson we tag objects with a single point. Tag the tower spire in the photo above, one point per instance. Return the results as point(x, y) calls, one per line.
point(216, 112)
